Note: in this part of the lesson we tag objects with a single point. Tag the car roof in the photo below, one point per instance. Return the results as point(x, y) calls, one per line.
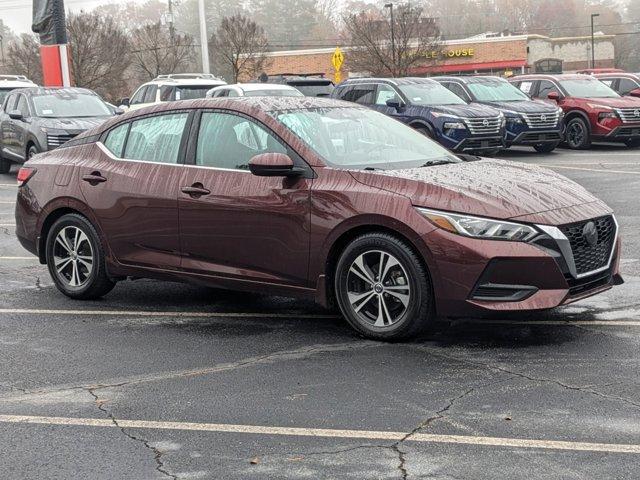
point(547, 76)
point(615, 74)
point(186, 81)
point(34, 91)
point(251, 87)
point(15, 81)
point(472, 79)
point(390, 81)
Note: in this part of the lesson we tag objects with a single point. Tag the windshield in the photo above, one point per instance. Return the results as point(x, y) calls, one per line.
point(314, 89)
point(189, 93)
point(496, 91)
point(430, 94)
point(64, 104)
point(588, 88)
point(359, 138)
point(3, 94)
point(276, 92)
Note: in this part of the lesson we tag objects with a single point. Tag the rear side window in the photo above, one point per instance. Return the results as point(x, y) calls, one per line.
point(166, 93)
point(138, 97)
point(363, 94)
point(115, 139)
point(156, 139)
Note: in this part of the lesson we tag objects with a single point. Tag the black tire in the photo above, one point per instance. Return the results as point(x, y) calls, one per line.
point(545, 147)
point(96, 282)
point(578, 134)
point(425, 131)
point(5, 165)
point(31, 151)
point(489, 153)
point(411, 319)
point(635, 143)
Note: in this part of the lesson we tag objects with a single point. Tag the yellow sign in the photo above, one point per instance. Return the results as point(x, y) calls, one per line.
point(458, 52)
point(337, 59)
point(337, 77)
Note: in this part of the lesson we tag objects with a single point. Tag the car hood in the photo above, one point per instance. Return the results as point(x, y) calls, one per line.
point(617, 102)
point(526, 106)
point(73, 124)
point(473, 110)
point(491, 188)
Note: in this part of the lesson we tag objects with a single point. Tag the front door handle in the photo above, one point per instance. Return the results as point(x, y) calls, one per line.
point(196, 190)
point(94, 178)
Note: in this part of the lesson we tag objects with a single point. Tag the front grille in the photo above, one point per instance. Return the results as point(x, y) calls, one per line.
point(481, 144)
point(627, 131)
point(587, 257)
point(55, 141)
point(540, 137)
point(483, 126)
point(629, 115)
point(541, 120)
point(577, 287)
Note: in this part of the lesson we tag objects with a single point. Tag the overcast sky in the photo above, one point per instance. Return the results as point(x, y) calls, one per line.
point(16, 14)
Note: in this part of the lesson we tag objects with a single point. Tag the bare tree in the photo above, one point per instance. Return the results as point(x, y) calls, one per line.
point(99, 53)
point(240, 46)
point(377, 51)
point(155, 52)
point(23, 57)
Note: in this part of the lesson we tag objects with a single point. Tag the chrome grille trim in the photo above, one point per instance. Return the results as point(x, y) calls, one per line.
point(483, 125)
point(541, 119)
point(57, 140)
point(629, 115)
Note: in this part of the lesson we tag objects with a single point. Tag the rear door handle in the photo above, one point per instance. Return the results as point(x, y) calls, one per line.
point(196, 190)
point(94, 178)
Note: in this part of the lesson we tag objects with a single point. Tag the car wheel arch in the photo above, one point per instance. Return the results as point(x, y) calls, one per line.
point(417, 124)
point(577, 114)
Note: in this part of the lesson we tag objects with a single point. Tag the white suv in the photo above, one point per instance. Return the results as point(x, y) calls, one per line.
point(167, 88)
point(11, 82)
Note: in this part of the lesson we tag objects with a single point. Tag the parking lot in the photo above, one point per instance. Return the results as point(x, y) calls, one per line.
point(165, 380)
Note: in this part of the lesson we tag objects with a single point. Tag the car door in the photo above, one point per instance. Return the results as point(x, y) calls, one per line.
point(21, 128)
point(386, 93)
point(131, 186)
point(241, 226)
point(7, 131)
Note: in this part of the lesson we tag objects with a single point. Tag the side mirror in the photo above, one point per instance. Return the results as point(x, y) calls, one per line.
point(273, 165)
point(394, 103)
point(15, 115)
point(635, 92)
point(118, 111)
point(125, 102)
point(555, 96)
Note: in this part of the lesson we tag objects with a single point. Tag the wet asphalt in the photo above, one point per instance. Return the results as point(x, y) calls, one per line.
point(124, 388)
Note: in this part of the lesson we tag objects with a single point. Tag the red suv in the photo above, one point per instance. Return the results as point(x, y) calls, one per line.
point(593, 111)
point(623, 83)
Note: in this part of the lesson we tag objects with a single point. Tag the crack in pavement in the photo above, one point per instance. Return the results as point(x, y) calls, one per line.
point(157, 454)
point(283, 355)
point(583, 389)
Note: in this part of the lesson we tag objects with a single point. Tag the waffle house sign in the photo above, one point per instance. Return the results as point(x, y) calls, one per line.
point(452, 53)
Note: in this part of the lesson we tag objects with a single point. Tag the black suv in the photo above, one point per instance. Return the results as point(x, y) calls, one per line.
point(534, 123)
point(311, 84)
point(38, 119)
point(431, 109)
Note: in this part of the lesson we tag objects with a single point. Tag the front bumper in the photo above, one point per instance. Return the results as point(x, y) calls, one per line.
point(624, 132)
point(473, 277)
point(479, 144)
point(534, 137)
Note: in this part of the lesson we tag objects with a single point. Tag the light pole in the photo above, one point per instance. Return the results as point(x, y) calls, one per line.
point(593, 43)
point(204, 45)
point(393, 36)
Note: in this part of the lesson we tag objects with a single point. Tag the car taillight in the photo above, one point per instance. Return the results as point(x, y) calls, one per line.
point(24, 174)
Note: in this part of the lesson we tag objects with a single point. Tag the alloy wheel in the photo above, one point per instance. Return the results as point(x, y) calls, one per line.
point(73, 256)
point(378, 288)
point(575, 134)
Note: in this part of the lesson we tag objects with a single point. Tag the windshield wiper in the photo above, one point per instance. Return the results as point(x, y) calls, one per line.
point(436, 161)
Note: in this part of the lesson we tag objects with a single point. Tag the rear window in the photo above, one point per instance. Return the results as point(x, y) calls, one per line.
point(190, 92)
point(314, 89)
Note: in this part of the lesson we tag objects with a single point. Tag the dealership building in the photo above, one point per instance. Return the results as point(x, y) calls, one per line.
point(489, 53)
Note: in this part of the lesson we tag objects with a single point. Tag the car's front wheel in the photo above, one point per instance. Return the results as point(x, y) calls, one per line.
point(5, 165)
point(75, 258)
point(635, 143)
point(383, 288)
point(31, 151)
point(545, 147)
point(577, 134)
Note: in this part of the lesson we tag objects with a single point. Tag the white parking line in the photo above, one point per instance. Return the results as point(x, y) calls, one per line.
point(599, 170)
point(7, 224)
point(19, 258)
point(8, 185)
point(151, 313)
point(327, 433)
point(7, 203)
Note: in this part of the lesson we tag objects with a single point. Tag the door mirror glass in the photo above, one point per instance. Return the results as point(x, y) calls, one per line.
point(272, 165)
point(635, 92)
point(555, 96)
point(124, 102)
point(15, 115)
point(394, 103)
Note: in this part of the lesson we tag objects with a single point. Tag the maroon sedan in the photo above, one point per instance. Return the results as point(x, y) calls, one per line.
point(315, 198)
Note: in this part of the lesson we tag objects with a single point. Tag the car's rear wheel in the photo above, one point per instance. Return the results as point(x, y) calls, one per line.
point(5, 165)
point(545, 147)
point(383, 289)
point(577, 134)
point(635, 143)
point(31, 151)
point(75, 258)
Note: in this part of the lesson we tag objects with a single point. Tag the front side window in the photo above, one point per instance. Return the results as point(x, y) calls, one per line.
point(496, 91)
point(4, 93)
point(65, 105)
point(361, 138)
point(150, 94)
point(458, 90)
point(138, 97)
point(156, 139)
point(115, 139)
point(230, 141)
point(431, 93)
point(626, 85)
point(22, 106)
point(385, 93)
point(587, 88)
point(190, 92)
point(546, 88)
point(166, 93)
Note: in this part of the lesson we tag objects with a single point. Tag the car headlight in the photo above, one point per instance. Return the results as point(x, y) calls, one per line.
point(515, 120)
point(603, 115)
point(454, 126)
point(478, 227)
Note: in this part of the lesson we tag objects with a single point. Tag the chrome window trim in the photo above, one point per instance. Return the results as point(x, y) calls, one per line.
point(567, 253)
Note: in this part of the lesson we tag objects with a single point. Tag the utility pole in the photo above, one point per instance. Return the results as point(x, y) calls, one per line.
point(204, 41)
point(593, 43)
point(172, 30)
point(393, 36)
